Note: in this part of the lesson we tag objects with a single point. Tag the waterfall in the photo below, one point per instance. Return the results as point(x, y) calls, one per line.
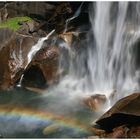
point(33, 51)
point(106, 62)
point(112, 67)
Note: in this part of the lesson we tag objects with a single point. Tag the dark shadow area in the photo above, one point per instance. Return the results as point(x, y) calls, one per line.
point(34, 77)
point(118, 119)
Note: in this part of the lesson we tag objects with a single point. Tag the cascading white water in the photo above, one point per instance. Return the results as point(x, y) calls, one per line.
point(37, 46)
point(112, 66)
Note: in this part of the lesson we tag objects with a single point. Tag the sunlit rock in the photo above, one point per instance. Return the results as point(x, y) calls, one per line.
point(71, 37)
point(68, 37)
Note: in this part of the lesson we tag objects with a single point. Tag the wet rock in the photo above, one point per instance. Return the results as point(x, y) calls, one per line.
point(71, 37)
point(123, 131)
point(68, 37)
point(125, 111)
point(47, 54)
point(13, 56)
point(95, 102)
point(43, 69)
point(14, 48)
point(47, 60)
point(118, 132)
point(98, 132)
point(122, 120)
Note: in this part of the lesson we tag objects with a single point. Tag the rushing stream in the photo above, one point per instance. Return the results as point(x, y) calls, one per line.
point(104, 64)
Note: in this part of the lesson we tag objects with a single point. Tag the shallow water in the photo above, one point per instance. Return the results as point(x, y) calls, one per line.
point(24, 114)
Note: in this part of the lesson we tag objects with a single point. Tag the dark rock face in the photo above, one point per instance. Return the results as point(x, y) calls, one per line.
point(33, 77)
point(122, 120)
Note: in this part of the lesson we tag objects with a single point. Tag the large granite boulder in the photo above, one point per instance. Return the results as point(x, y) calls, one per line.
point(14, 49)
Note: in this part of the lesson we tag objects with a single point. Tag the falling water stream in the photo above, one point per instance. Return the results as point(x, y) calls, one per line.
point(112, 67)
point(76, 14)
point(104, 64)
point(32, 52)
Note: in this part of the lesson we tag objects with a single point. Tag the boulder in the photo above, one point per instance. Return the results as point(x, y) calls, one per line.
point(13, 56)
point(118, 132)
point(95, 102)
point(125, 111)
point(47, 59)
point(122, 120)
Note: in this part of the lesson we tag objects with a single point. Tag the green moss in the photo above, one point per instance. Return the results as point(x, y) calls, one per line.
point(13, 23)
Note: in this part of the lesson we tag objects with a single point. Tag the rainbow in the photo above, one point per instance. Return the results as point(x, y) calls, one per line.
point(38, 115)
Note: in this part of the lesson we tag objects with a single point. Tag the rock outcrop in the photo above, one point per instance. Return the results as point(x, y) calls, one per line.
point(15, 45)
point(122, 120)
point(13, 56)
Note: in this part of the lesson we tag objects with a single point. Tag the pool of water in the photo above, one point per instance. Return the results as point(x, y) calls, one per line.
point(25, 114)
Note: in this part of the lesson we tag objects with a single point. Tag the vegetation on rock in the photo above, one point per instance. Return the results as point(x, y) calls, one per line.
point(14, 23)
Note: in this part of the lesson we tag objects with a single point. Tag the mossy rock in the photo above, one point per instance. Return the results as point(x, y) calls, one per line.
point(14, 23)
